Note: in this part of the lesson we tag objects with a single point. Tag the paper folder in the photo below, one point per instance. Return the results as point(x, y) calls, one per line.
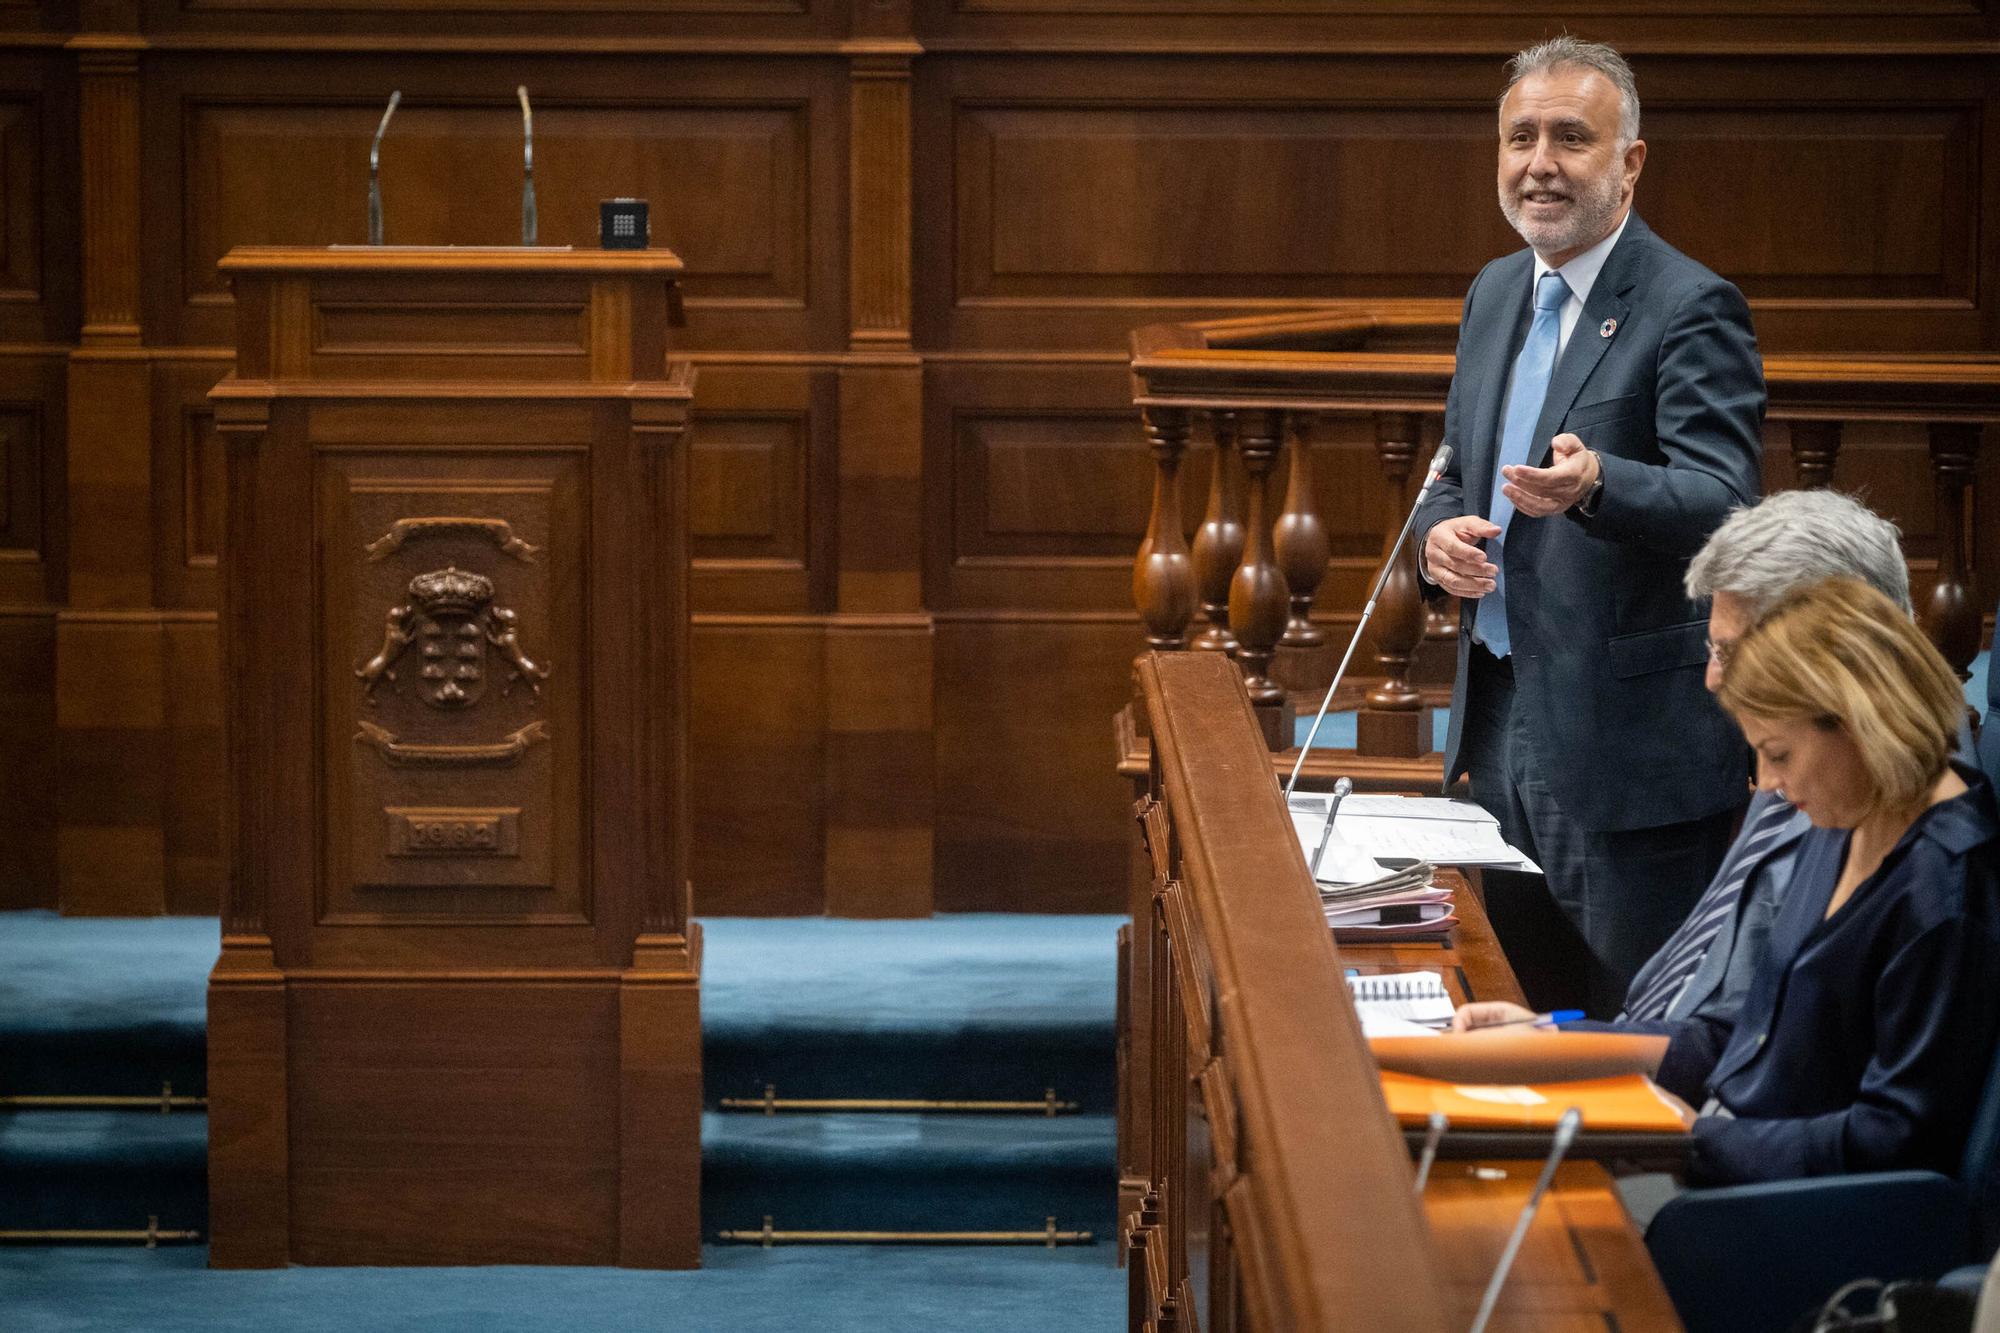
point(1627, 1103)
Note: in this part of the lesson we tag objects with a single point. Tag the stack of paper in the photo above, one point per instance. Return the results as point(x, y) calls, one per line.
point(1400, 902)
point(1420, 828)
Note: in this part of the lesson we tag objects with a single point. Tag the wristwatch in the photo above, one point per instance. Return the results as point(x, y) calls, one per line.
point(1587, 506)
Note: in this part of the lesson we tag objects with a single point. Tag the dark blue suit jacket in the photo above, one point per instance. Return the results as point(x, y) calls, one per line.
point(1662, 378)
point(1866, 1038)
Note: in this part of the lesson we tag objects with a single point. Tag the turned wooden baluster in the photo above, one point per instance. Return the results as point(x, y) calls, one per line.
point(1218, 543)
point(1300, 539)
point(1257, 592)
point(1949, 614)
point(1815, 449)
point(1162, 576)
point(1390, 722)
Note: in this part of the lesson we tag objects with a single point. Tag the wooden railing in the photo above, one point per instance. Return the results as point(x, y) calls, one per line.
point(1258, 387)
point(1268, 1187)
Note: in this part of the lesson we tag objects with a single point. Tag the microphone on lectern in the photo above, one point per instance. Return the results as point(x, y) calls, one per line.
point(528, 167)
point(374, 171)
point(1439, 460)
point(1566, 1128)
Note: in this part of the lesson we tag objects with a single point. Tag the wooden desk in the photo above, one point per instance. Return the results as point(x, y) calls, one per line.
point(1269, 1186)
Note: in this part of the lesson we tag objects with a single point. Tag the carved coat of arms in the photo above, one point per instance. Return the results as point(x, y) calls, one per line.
point(454, 625)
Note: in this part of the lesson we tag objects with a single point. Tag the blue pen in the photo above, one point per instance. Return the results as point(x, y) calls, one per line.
point(1553, 1019)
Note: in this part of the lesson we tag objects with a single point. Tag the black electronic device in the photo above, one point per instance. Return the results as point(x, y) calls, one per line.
point(622, 224)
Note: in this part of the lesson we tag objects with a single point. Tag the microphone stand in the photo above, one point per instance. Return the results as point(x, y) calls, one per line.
point(528, 227)
point(374, 171)
point(1437, 467)
point(1566, 1130)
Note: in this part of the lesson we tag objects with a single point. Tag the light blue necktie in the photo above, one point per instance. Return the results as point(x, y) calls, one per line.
point(1532, 369)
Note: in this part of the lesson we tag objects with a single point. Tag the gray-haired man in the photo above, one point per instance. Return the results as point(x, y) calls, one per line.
point(1757, 556)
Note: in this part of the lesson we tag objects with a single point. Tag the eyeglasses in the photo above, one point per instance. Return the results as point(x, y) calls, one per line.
point(1720, 652)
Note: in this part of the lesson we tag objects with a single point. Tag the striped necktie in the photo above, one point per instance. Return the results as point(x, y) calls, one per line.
point(1533, 368)
point(1679, 959)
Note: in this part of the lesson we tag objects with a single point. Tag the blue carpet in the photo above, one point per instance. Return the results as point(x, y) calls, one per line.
point(972, 1005)
point(888, 1289)
point(72, 1170)
point(104, 1005)
point(892, 1172)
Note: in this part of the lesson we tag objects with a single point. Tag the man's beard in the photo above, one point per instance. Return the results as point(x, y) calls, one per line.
point(1593, 206)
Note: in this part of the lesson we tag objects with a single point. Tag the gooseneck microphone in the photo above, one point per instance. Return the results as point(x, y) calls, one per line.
point(1433, 1135)
point(1340, 793)
point(1438, 462)
point(1566, 1128)
point(528, 167)
point(375, 170)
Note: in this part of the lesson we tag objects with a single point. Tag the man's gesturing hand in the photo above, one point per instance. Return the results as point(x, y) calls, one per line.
point(1541, 491)
point(1452, 561)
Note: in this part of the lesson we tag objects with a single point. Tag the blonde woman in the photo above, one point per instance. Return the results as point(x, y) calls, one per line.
point(1870, 1025)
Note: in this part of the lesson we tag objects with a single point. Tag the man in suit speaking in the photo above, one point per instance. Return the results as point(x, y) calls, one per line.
point(1604, 418)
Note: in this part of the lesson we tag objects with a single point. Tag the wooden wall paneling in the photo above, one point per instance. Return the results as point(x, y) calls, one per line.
point(34, 479)
point(533, 26)
point(1031, 815)
point(29, 775)
point(881, 505)
point(763, 463)
point(1037, 485)
point(735, 157)
point(1401, 27)
point(110, 194)
point(187, 481)
point(1064, 200)
point(882, 391)
point(1867, 239)
point(880, 767)
point(38, 194)
point(110, 648)
point(879, 194)
point(110, 683)
point(194, 865)
point(757, 737)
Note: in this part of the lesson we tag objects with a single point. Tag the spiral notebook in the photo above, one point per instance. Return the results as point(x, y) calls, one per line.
point(1389, 998)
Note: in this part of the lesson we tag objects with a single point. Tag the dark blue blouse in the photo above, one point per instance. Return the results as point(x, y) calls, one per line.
point(1864, 1042)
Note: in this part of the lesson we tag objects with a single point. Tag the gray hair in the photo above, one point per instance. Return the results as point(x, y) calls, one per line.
point(1796, 538)
point(1567, 52)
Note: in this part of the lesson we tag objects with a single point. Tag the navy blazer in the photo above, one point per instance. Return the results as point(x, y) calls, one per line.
point(1661, 377)
point(1866, 1038)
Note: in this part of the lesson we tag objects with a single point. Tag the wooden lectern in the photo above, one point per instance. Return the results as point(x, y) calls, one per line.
point(456, 1016)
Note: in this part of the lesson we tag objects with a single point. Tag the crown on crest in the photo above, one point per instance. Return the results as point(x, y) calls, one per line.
point(451, 591)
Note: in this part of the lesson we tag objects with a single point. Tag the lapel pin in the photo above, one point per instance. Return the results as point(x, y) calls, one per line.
point(1607, 328)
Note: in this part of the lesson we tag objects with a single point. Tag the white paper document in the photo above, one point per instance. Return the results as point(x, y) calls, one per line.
point(1427, 828)
point(1340, 862)
point(1390, 999)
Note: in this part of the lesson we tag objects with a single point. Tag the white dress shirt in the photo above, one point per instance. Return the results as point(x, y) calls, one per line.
point(1581, 275)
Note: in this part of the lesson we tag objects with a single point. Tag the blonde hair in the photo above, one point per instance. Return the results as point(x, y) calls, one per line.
point(1840, 654)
